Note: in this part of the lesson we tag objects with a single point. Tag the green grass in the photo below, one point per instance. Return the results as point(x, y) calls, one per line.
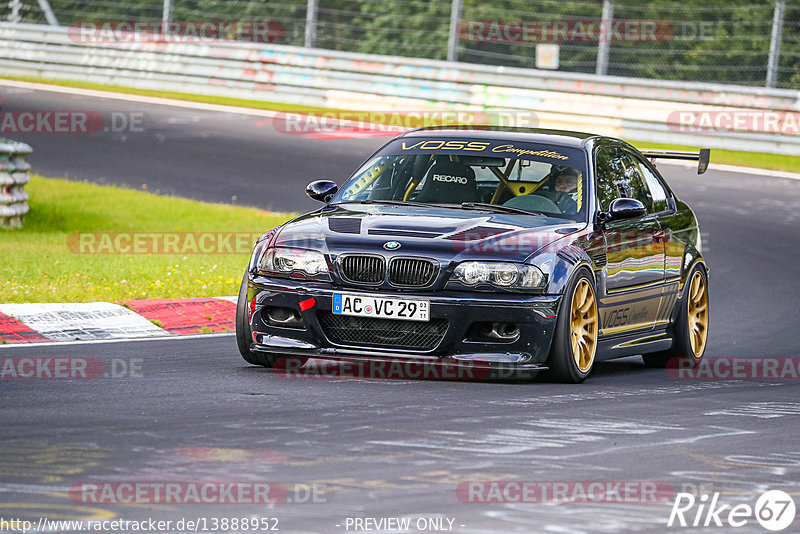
point(38, 265)
point(728, 157)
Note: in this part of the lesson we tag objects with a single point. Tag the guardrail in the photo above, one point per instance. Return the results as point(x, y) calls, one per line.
point(13, 177)
point(635, 109)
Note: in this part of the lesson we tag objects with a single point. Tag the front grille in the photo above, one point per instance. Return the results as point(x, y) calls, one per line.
point(388, 333)
point(363, 269)
point(412, 272)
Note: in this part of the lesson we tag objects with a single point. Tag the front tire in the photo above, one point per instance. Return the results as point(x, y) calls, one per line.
point(574, 346)
point(690, 333)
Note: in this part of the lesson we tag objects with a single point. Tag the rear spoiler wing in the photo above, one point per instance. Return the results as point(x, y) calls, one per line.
point(702, 156)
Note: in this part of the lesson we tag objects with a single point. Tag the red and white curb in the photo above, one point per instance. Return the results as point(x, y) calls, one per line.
point(90, 321)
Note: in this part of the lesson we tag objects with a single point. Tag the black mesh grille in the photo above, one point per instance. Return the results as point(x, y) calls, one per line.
point(345, 225)
point(411, 272)
point(363, 269)
point(404, 233)
point(367, 331)
point(600, 259)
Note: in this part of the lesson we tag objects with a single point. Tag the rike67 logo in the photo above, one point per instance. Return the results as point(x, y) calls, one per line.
point(774, 510)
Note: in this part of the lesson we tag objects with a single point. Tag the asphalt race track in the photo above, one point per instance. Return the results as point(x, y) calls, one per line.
point(199, 154)
point(190, 409)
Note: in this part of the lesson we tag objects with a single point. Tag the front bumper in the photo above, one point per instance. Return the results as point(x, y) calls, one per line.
point(533, 315)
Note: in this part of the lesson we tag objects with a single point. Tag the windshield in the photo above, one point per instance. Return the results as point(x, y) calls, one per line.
point(535, 179)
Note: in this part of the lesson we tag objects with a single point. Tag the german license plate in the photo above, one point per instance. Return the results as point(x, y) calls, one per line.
point(381, 307)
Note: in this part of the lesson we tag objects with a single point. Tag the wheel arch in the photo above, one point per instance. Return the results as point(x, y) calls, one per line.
point(689, 263)
point(565, 263)
point(676, 308)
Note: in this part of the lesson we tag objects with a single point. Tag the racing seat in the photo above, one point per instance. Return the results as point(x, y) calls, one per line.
point(449, 182)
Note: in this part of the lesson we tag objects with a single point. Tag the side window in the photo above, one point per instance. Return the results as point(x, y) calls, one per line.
point(618, 176)
point(657, 190)
point(605, 171)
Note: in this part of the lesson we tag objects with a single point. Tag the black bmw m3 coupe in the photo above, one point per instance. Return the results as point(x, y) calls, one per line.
point(509, 248)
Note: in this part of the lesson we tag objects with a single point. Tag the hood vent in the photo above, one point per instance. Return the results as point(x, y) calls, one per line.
point(479, 232)
point(404, 233)
point(345, 225)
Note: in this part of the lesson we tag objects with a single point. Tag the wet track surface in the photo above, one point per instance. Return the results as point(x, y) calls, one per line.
point(401, 448)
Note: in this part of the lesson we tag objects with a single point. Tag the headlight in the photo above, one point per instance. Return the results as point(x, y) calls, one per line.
point(294, 260)
point(513, 276)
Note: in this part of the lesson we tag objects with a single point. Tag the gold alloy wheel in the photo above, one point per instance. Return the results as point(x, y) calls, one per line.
point(698, 314)
point(583, 325)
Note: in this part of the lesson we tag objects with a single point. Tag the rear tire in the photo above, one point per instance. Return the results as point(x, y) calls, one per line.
point(574, 347)
point(690, 333)
point(244, 335)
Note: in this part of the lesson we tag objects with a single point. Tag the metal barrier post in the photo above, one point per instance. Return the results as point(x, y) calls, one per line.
point(311, 24)
point(48, 12)
point(13, 177)
point(604, 44)
point(455, 21)
point(166, 17)
point(14, 6)
point(775, 42)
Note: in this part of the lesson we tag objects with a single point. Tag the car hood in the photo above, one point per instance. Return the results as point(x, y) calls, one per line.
point(442, 233)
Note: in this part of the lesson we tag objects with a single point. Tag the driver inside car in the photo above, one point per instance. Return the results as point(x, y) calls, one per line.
point(566, 188)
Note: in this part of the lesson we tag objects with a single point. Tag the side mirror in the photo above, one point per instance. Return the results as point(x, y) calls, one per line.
point(625, 208)
point(322, 190)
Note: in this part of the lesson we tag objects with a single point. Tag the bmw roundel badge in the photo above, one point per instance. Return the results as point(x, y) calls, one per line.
point(391, 245)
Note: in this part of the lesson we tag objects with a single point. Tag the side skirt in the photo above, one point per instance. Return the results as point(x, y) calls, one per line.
point(633, 344)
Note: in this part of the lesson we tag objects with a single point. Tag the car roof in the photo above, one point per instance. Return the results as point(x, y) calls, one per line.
point(506, 133)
